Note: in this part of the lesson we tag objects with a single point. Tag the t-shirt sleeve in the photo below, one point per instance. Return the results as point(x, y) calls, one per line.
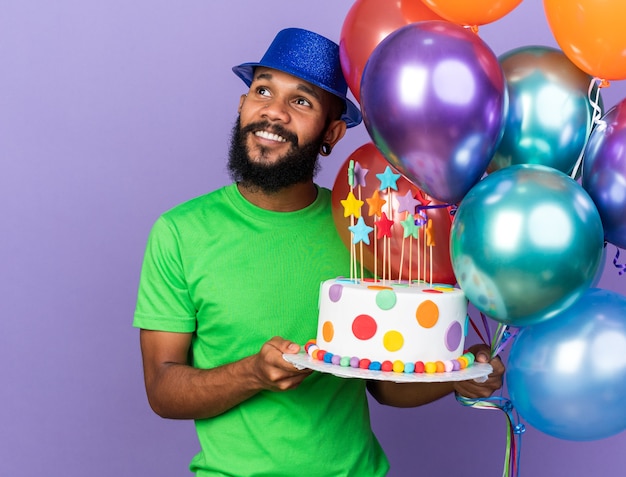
point(163, 300)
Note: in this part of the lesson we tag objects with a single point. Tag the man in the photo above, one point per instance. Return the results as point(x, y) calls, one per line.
point(230, 283)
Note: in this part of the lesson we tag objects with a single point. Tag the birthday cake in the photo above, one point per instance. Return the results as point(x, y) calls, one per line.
point(388, 323)
point(391, 326)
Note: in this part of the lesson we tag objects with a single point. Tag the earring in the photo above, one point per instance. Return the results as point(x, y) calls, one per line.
point(326, 149)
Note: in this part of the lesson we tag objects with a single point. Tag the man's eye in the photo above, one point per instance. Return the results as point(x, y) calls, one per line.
point(263, 91)
point(303, 102)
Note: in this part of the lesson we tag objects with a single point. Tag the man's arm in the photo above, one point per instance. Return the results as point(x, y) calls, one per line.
point(417, 394)
point(177, 390)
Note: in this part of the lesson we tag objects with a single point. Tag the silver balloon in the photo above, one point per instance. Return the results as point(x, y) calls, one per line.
point(549, 115)
point(525, 243)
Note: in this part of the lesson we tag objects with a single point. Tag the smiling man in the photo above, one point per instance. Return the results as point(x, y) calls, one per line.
point(230, 283)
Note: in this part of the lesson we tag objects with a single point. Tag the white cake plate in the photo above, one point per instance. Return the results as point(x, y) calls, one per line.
point(478, 371)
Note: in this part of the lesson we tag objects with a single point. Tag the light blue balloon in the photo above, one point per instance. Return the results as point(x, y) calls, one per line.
point(567, 376)
point(549, 115)
point(525, 243)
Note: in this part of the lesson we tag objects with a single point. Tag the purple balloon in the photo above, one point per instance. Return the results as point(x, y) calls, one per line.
point(433, 97)
point(604, 173)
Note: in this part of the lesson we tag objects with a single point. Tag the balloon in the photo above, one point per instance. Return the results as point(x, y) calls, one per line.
point(567, 376)
point(525, 243)
point(591, 33)
point(604, 172)
point(368, 157)
point(433, 101)
point(367, 23)
point(549, 116)
point(474, 12)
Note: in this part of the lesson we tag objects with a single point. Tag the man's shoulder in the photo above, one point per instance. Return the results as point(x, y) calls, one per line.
point(198, 205)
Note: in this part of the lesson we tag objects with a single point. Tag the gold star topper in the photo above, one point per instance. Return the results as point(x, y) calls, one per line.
point(352, 206)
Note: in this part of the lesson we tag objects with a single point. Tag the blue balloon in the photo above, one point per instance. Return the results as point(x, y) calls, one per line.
point(604, 172)
point(434, 98)
point(549, 115)
point(525, 243)
point(567, 376)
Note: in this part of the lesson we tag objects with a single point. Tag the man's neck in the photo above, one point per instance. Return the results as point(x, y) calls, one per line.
point(289, 199)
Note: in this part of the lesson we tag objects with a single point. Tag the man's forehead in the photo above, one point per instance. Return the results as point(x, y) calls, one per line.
point(262, 72)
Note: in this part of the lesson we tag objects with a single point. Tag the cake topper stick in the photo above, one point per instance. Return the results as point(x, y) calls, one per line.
point(352, 246)
point(375, 203)
point(388, 180)
point(430, 239)
point(352, 209)
point(361, 243)
point(411, 230)
point(401, 261)
point(424, 252)
point(420, 220)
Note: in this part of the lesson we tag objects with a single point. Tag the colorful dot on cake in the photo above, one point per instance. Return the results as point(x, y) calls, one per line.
point(355, 362)
point(344, 361)
point(386, 299)
point(386, 366)
point(470, 358)
point(453, 336)
point(463, 362)
point(328, 357)
point(419, 367)
point(308, 345)
point(430, 367)
point(374, 366)
point(427, 314)
point(443, 288)
point(398, 366)
point(364, 363)
point(335, 359)
point(364, 327)
point(319, 354)
point(409, 367)
point(334, 292)
point(440, 366)
point(393, 340)
point(328, 331)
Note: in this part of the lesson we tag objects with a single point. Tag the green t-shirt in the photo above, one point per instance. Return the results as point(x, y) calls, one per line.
point(236, 275)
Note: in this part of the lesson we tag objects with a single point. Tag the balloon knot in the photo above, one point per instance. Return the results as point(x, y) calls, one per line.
point(604, 83)
point(472, 28)
point(519, 429)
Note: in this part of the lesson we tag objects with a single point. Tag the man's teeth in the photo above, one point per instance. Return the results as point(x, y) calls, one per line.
point(270, 136)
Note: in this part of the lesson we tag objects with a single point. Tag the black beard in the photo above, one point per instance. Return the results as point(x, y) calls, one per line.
point(299, 165)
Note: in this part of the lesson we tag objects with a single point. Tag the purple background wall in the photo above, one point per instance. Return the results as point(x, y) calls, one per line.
point(110, 113)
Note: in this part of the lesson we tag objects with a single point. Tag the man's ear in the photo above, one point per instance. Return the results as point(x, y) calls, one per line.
point(242, 98)
point(335, 131)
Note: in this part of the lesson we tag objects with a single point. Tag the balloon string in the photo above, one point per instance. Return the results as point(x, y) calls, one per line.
point(501, 338)
point(620, 266)
point(513, 433)
point(595, 119)
point(477, 330)
point(504, 335)
point(483, 317)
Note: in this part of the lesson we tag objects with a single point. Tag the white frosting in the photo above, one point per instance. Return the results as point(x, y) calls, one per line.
point(391, 321)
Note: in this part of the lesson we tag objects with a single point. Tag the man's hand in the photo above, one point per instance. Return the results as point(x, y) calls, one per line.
point(474, 389)
point(272, 371)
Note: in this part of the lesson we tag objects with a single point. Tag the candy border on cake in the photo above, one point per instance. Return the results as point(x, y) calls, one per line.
point(430, 367)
